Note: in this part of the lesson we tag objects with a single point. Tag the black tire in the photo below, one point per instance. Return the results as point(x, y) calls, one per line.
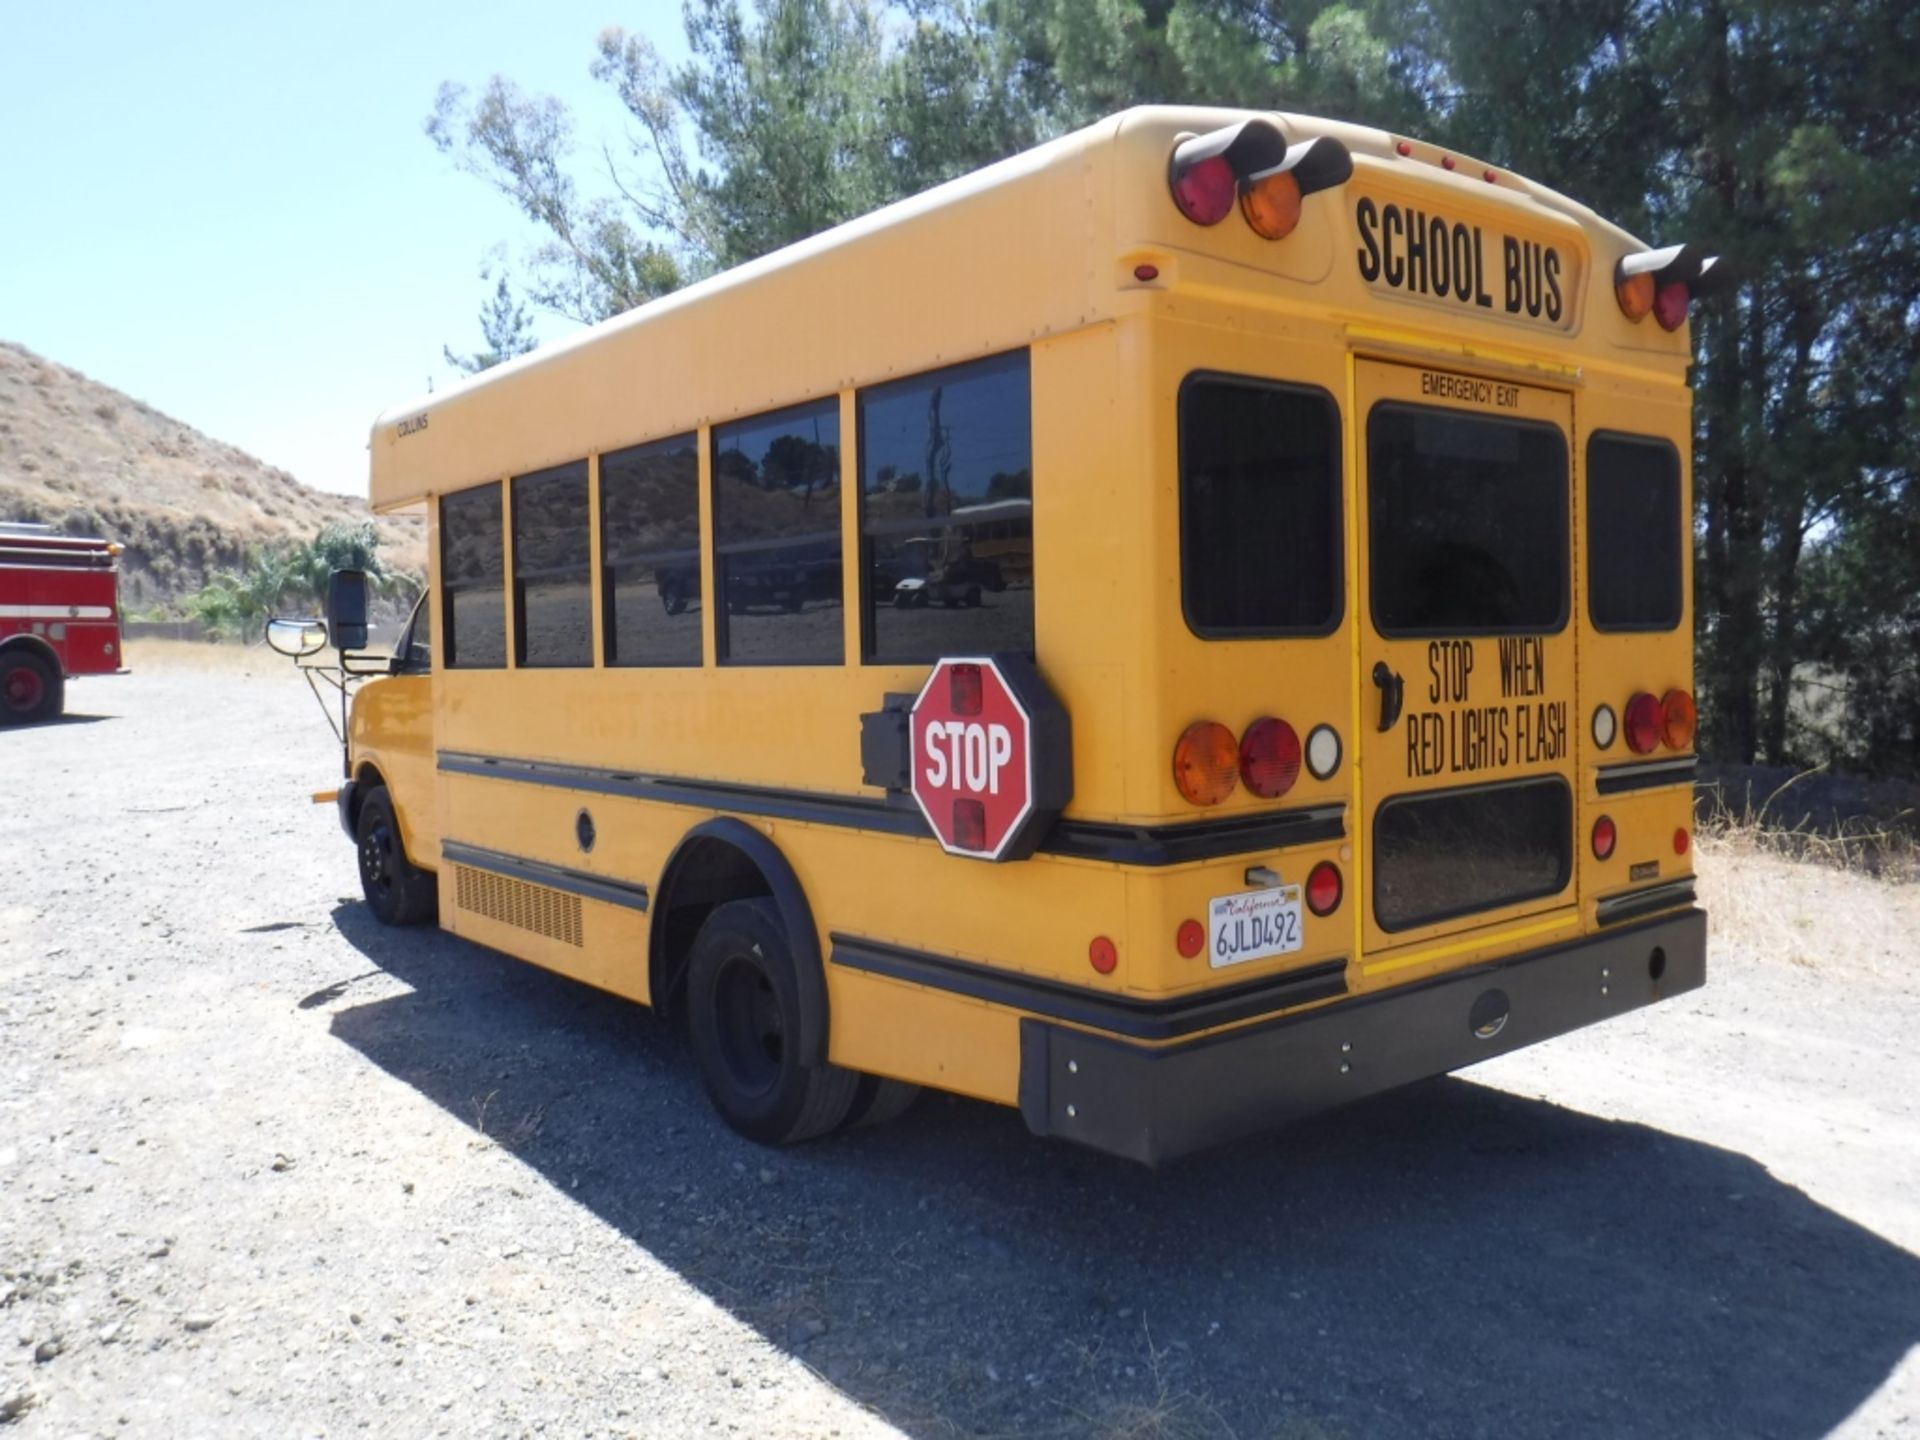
point(398, 891)
point(743, 1004)
point(877, 1101)
point(31, 690)
point(973, 597)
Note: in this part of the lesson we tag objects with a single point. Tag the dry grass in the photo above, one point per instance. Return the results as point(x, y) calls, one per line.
point(1843, 823)
point(1818, 916)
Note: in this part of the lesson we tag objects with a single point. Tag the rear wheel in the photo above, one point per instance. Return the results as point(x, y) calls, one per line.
point(398, 891)
point(743, 1017)
point(877, 1101)
point(30, 688)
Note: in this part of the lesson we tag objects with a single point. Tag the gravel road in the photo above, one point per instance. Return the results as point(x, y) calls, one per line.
point(268, 1169)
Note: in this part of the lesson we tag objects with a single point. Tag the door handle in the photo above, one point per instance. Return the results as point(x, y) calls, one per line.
point(1393, 691)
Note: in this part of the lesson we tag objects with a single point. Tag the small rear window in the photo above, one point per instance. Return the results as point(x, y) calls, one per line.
point(1634, 533)
point(1453, 852)
point(1259, 508)
point(1468, 528)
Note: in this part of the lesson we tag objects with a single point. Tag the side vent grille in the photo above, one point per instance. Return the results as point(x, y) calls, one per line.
point(552, 913)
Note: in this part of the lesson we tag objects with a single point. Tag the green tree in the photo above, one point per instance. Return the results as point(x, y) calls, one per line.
point(505, 328)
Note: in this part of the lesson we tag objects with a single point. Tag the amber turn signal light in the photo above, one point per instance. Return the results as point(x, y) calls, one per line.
point(1206, 762)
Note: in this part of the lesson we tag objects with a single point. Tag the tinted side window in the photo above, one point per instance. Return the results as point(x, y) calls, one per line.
point(1259, 508)
point(946, 488)
point(1469, 522)
point(473, 578)
point(650, 553)
point(776, 523)
point(552, 568)
point(1634, 533)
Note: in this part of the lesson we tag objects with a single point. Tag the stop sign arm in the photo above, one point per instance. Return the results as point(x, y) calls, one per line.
point(887, 759)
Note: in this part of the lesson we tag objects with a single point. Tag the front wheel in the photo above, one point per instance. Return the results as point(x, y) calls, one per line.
point(30, 689)
point(743, 1018)
point(398, 891)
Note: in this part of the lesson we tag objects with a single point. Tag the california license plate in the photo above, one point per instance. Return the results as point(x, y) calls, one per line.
point(1254, 925)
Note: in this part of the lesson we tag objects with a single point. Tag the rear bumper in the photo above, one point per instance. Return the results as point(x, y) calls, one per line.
point(1153, 1104)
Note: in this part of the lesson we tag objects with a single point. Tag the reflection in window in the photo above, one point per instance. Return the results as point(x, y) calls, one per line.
point(776, 526)
point(473, 578)
point(1259, 508)
point(946, 487)
point(1634, 533)
point(552, 568)
point(650, 547)
point(1469, 522)
point(416, 648)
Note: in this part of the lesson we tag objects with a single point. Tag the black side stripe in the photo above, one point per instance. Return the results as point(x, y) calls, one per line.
point(1115, 1014)
point(1618, 779)
point(1613, 909)
point(1151, 845)
point(534, 872)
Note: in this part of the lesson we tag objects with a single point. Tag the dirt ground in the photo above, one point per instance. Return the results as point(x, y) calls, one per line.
point(267, 1169)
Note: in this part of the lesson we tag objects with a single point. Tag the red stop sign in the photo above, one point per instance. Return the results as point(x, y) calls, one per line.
point(972, 746)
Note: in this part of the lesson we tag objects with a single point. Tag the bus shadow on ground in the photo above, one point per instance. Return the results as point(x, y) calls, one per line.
point(1449, 1260)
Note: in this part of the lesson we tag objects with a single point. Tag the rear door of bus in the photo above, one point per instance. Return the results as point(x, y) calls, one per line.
point(1467, 683)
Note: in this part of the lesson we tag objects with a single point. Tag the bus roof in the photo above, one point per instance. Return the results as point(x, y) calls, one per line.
point(1023, 249)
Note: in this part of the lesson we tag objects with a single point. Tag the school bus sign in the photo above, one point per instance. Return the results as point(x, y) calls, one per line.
point(990, 765)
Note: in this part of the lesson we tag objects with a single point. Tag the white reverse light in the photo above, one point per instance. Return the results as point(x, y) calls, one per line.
point(1323, 752)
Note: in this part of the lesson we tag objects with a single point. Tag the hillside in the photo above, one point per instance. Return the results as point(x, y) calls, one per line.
point(86, 457)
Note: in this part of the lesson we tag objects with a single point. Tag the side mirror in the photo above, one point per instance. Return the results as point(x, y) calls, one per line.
point(298, 638)
point(347, 609)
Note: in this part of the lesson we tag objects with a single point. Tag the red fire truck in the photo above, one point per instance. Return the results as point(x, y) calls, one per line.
point(59, 616)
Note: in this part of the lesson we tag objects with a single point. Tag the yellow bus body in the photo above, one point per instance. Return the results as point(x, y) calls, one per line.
point(1074, 253)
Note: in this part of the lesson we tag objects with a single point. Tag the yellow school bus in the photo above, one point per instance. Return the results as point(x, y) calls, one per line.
point(1180, 629)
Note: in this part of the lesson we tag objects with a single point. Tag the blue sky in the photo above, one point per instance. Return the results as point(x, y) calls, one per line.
point(230, 211)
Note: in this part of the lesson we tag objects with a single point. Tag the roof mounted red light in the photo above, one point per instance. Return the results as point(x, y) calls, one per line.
point(1205, 190)
point(1252, 163)
point(1664, 282)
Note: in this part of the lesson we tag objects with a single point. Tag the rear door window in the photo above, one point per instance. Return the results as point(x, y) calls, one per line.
point(1468, 523)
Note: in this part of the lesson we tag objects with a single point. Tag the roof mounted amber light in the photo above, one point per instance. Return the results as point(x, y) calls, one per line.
point(1252, 162)
point(1664, 282)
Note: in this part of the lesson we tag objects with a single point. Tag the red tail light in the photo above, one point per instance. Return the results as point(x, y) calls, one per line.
point(1604, 837)
point(1206, 763)
point(1681, 841)
point(1324, 888)
point(1270, 758)
point(1191, 938)
point(1677, 719)
point(1102, 955)
point(1642, 724)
